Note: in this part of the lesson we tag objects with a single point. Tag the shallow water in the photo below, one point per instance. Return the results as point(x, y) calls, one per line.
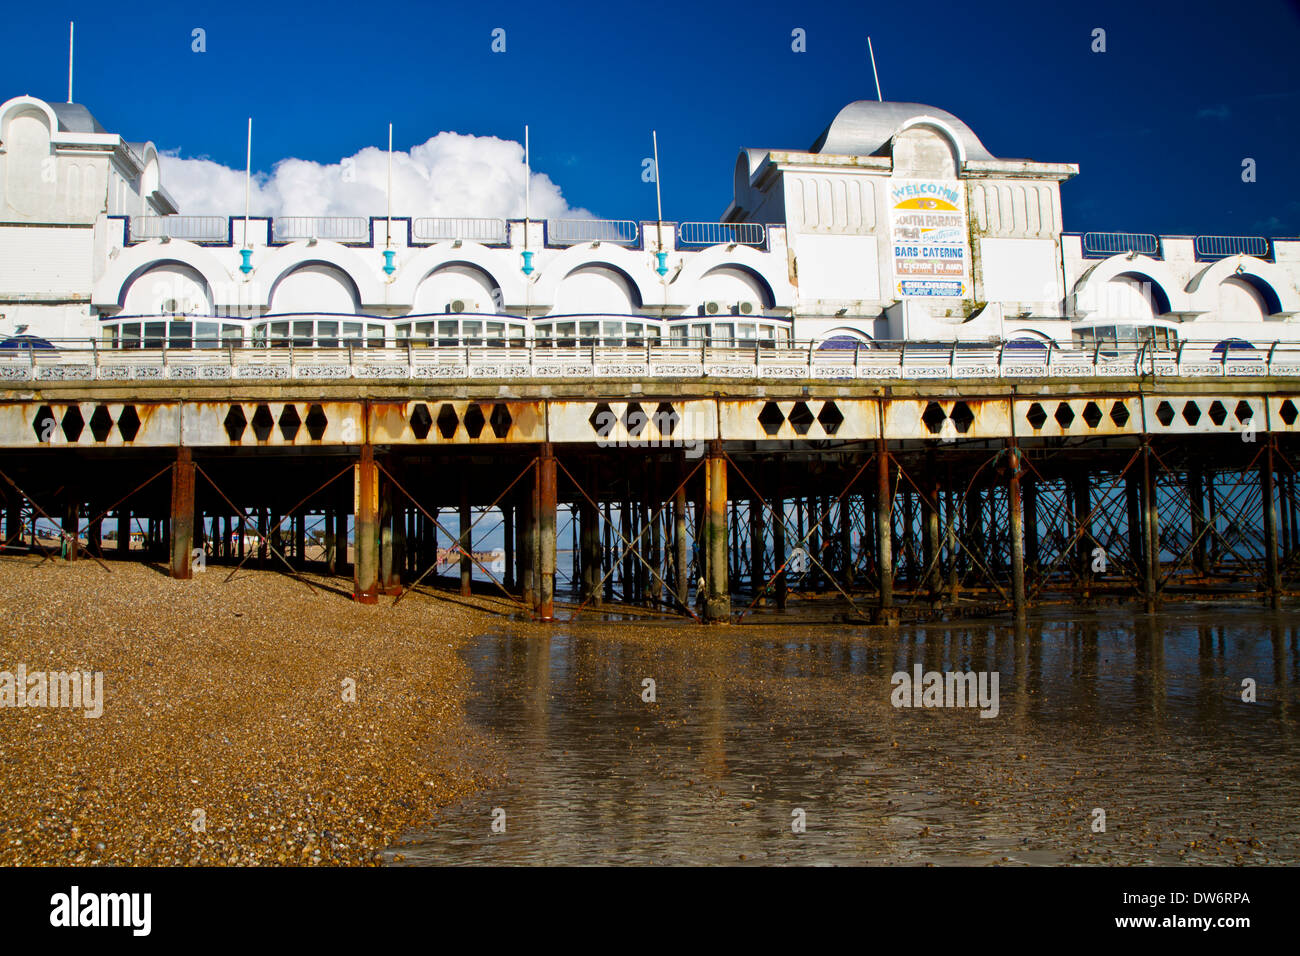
point(1139, 716)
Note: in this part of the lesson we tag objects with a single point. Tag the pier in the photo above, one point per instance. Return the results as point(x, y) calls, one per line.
point(721, 492)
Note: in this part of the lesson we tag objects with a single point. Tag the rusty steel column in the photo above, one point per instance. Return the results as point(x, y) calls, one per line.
point(546, 531)
point(13, 521)
point(399, 541)
point(1196, 491)
point(1151, 530)
point(70, 520)
point(365, 574)
point(331, 542)
point(681, 553)
point(465, 538)
point(933, 545)
point(1272, 569)
point(717, 601)
point(847, 569)
point(123, 531)
point(182, 514)
point(508, 546)
point(94, 534)
point(778, 539)
point(1029, 498)
point(1017, 531)
point(653, 497)
point(386, 568)
point(884, 530)
point(1081, 494)
point(527, 554)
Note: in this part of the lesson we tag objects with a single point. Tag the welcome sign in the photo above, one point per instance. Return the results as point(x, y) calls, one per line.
point(928, 231)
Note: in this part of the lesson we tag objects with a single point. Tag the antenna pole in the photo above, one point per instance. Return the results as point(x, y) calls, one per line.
point(528, 183)
point(71, 26)
point(659, 202)
point(873, 69)
point(388, 235)
point(248, 181)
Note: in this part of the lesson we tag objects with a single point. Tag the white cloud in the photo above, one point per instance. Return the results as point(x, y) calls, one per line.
point(451, 174)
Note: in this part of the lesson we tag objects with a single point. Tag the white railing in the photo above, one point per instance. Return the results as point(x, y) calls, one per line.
point(523, 359)
point(193, 228)
point(1118, 243)
point(444, 229)
point(720, 233)
point(336, 228)
point(571, 232)
point(1220, 247)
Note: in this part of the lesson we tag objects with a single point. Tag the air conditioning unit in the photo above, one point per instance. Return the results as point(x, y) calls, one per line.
point(713, 308)
point(462, 305)
point(747, 308)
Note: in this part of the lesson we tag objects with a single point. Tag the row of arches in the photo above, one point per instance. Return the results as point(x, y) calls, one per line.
point(1237, 289)
point(321, 277)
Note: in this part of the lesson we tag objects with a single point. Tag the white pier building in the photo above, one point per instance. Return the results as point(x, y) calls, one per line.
point(896, 229)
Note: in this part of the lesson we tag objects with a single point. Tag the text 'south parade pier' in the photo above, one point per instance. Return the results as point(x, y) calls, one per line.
point(886, 376)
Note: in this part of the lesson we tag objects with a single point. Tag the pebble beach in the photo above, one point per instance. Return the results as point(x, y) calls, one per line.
point(227, 736)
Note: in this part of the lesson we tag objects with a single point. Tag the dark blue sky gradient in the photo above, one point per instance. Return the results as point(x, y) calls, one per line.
point(1159, 124)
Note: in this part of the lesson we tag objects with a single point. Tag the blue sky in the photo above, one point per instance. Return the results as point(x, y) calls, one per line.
point(1159, 123)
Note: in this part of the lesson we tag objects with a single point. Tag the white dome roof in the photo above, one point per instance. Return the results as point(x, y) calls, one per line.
point(865, 127)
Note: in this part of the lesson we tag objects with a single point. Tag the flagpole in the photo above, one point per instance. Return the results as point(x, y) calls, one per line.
point(71, 26)
point(873, 70)
point(248, 179)
point(528, 209)
point(247, 252)
point(661, 255)
point(388, 236)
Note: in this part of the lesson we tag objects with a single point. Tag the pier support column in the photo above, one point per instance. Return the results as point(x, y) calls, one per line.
point(365, 575)
point(331, 542)
point(546, 495)
point(95, 533)
point(1272, 569)
point(123, 531)
point(778, 540)
point(1151, 530)
point(1029, 498)
point(527, 551)
point(1082, 495)
point(465, 537)
point(1017, 532)
point(933, 548)
point(653, 498)
point(508, 544)
point(71, 518)
point(847, 564)
point(885, 532)
point(717, 602)
point(681, 553)
point(182, 523)
point(1196, 492)
point(387, 568)
point(14, 522)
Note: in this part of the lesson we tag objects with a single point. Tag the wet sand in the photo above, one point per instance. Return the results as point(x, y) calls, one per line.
point(1141, 717)
point(228, 698)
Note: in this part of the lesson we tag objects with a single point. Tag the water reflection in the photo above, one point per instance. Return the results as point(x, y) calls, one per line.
point(1139, 715)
